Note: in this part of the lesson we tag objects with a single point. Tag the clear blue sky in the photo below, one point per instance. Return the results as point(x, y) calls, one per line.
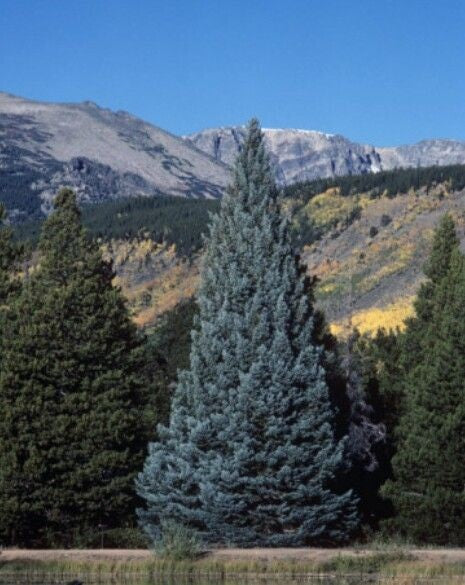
point(378, 71)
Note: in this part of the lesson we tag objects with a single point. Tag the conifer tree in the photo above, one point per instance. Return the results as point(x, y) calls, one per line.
point(366, 432)
point(9, 288)
point(9, 255)
point(429, 467)
point(445, 241)
point(250, 455)
point(71, 390)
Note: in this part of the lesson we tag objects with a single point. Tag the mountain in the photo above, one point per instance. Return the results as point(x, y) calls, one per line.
point(100, 153)
point(364, 231)
point(107, 155)
point(303, 155)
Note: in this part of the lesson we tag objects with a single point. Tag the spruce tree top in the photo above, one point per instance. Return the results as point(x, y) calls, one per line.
point(66, 250)
point(9, 255)
point(416, 337)
point(444, 242)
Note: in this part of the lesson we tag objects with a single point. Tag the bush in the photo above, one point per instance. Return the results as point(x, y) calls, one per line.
point(385, 220)
point(124, 538)
point(177, 542)
point(373, 231)
point(370, 563)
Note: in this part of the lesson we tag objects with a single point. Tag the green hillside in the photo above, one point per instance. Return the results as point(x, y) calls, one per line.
point(364, 237)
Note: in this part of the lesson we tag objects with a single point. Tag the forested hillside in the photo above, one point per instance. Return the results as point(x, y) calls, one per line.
point(165, 220)
point(365, 238)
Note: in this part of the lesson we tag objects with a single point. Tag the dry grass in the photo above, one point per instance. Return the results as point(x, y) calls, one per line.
point(404, 564)
point(152, 278)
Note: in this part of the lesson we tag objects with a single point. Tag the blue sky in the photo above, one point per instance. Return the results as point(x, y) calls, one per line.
point(378, 71)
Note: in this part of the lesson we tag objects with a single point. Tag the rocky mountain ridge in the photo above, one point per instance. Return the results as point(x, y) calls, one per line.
point(100, 153)
point(304, 155)
point(105, 155)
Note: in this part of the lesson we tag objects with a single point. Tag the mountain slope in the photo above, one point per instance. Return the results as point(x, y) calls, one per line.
point(368, 270)
point(365, 237)
point(100, 153)
point(303, 155)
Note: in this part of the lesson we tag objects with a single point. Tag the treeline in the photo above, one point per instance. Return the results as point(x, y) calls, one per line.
point(181, 221)
point(172, 220)
point(391, 183)
point(272, 434)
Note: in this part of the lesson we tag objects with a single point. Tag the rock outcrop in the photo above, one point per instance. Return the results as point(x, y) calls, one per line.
point(302, 155)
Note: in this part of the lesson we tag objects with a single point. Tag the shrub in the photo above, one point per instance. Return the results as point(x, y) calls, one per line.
point(177, 542)
point(385, 220)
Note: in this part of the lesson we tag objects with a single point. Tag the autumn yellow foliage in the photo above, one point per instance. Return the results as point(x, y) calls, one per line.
point(329, 208)
point(370, 320)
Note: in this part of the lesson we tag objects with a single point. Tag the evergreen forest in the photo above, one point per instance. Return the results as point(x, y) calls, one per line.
point(239, 417)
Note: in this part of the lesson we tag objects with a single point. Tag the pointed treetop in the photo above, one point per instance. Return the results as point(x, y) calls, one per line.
point(253, 146)
point(445, 241)
point(253, 177)
point(254, 134)
point(65, 198)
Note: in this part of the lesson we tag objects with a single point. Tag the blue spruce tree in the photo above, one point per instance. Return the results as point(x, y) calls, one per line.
point(250, 455)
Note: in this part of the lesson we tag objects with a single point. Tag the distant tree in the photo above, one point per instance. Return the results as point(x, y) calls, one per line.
point(73, 391)
point(436, 268)
point(427, 489)
point(250, 455)
point(414, 344)
point(385, 220)
point(375, 374)
point(168, 350)
point(382, 372)
point(366, 431)
point(9, 256)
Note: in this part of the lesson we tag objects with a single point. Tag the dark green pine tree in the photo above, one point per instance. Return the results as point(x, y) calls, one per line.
point(376, 365)
point(250, 455)
point(10, 253)
point(168, 350)
point(429, 467)
point(72, 433)
point(413, 340)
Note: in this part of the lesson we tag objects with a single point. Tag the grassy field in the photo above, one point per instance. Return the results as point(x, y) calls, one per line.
point(405, 565)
